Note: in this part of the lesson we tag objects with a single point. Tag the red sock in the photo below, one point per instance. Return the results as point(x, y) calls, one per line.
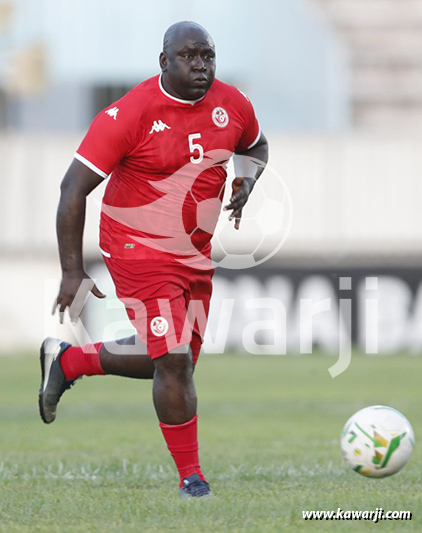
point(182, 442)
point(81, 361)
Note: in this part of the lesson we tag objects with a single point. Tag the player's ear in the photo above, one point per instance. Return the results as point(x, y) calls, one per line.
point(163, 61)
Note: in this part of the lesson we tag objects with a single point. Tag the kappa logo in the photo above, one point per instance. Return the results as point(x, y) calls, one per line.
point(220, 117)
point(159, 326)
point(159, 126)
point(112, 112)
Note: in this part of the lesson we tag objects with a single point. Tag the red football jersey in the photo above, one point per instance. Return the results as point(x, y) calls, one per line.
point(167, 159)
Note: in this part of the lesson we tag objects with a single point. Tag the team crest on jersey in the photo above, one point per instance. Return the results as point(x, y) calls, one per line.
point(112, 112)
point(220, 117)
point(159, 326)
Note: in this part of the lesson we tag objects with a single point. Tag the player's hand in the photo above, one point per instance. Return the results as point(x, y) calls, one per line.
point(74, 289)
point(241, 189)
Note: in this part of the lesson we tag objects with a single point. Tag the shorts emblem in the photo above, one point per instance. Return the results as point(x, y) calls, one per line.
point(159, 326)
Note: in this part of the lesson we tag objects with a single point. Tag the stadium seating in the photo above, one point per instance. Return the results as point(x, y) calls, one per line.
point(385, 43)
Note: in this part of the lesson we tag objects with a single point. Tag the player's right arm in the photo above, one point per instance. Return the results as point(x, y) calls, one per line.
point(78, 182)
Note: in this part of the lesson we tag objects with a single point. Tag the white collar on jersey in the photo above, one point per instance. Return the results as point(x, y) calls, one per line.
point(191, 102)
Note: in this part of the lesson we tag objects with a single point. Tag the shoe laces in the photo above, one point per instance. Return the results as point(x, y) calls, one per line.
point(198, 487)
point(67, 385)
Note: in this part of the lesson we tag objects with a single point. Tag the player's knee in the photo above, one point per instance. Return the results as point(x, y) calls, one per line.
point(177, 363)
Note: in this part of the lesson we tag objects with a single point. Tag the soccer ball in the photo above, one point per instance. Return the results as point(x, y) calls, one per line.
point(377, 441)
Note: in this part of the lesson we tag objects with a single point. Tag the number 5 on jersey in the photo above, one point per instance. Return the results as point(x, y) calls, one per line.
point(195, 146)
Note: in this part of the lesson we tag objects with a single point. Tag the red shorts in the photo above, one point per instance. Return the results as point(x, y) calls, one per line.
point(167, 303)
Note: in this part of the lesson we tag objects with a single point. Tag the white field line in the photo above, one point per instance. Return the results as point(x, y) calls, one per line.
point(129, 471)
point(85, 472)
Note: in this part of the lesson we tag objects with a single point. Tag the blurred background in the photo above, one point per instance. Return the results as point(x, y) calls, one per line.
point(337, 87)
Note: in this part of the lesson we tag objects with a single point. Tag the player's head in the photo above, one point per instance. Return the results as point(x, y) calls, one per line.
point(187, 60)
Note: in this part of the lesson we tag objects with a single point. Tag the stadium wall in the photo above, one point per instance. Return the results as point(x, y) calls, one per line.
point(356, 213)
point(352, 195)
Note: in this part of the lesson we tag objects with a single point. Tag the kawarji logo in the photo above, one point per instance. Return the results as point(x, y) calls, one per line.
point(159, 126)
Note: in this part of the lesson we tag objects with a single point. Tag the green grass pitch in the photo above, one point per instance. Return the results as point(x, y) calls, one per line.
point(269, 443)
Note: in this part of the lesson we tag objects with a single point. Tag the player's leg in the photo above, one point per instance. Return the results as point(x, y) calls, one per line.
point(174, 390)
point(62, 364)
point(175, 402)
point(127, 358)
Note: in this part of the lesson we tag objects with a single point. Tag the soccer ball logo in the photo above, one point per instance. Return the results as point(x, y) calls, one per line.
point(266, 219)
point(220, 117)
point(159, 326)
point(265, 225)
point(377, 441)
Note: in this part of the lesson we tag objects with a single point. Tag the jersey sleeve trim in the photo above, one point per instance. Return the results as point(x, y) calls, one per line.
point(90, 165)
point(256, 140)
point(105, 254)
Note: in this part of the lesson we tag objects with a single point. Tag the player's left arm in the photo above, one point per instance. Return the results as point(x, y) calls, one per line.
point(248, 165)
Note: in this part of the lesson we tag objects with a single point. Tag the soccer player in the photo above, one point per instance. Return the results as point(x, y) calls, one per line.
point(166, 144)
